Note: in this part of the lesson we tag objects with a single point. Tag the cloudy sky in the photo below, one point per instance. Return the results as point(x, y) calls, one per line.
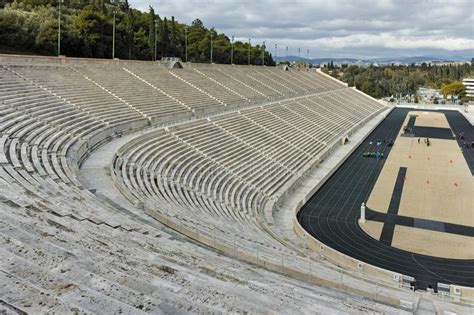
point(336, 28)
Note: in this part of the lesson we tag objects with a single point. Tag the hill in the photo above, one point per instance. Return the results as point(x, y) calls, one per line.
point(87, 28)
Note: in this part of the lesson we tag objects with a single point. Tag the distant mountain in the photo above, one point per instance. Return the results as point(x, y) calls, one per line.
point(415, 59)
point(316, 60)
point(404, 60)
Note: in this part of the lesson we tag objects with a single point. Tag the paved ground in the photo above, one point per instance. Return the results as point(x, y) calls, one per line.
point(331, 214)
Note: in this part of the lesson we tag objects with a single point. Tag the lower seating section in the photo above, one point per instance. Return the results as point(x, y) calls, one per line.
point(38, 130)
point(230, 168)
point(65, 265)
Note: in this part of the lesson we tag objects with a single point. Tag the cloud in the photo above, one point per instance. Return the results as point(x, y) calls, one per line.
point(363, 28)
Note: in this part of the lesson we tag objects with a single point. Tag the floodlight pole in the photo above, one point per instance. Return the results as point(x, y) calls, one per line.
point(186, 42)
point(113, 36)
point(59, 27)
point(299, 53)
point(286, 53)
point(211, 46)
point(276, 49)
point(263, 53)
point(249, 52)
point(232, 51)
point(156, 35)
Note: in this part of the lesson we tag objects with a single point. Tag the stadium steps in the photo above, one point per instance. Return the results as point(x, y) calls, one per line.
point(109, 92)
point(197, 88)
point(240, 75)
point(158, 89)
point(224, 86)
point(152, 102)
point(257, 79)
point(247, 86)
point(270, 80)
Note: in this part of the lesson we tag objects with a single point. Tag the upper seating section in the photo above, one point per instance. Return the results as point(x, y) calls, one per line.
point(196, 99)
point(119, 93)
point(277, 83)
point(149, 101)
point(79, 91)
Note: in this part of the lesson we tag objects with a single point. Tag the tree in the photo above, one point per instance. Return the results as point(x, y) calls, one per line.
point(128, 23)
point(12, 32)
point(90, 23)
point(165, 38)
point(454, 89)
point(152, 31)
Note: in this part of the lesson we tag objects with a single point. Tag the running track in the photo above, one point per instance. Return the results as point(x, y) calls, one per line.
point(332, 212)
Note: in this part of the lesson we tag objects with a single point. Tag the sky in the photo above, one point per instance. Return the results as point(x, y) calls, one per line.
point(336, 28)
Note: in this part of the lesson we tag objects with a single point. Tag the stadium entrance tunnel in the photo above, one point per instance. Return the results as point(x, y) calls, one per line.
point(331, 215)
point(172, 62)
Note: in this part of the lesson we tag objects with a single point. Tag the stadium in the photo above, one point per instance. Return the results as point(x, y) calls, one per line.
point(171, 187)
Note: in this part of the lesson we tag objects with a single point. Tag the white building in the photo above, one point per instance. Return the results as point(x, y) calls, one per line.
point(469, 83)
point(426, 94)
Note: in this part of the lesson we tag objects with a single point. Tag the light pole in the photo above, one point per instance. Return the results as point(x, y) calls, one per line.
point(186, 43)
point(249, 52)
point(307, 56)
point(299, 53)
point(276, 49)
point(113, 36)
point(59, 27)
point(263, 53)
point(211, 45)
point(232, 51)
point(286, 53)
point(156, 35)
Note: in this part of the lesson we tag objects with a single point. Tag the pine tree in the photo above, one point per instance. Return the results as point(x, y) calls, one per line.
point(165, 38)
point(172, 35)
point(152, 33)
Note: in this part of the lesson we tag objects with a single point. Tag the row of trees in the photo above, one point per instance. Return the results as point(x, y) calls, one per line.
point(394, 80)
point(31, 26)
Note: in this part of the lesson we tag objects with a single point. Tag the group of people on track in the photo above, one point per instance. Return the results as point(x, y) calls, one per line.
point(427, 141)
